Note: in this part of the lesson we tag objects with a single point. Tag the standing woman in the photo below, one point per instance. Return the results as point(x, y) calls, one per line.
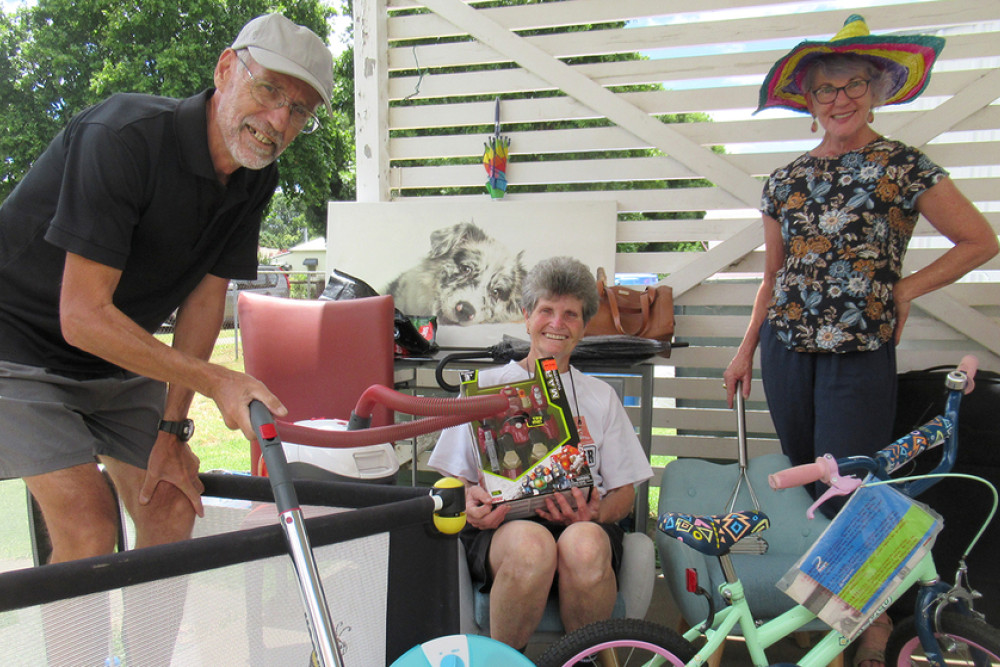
point(837, 221)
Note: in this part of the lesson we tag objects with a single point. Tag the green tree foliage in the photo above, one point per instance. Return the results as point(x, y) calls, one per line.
point(284, 224)
point(60, 56)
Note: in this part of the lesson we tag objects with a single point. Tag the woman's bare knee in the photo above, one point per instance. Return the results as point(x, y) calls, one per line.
point(529, 549)
point(585, 542)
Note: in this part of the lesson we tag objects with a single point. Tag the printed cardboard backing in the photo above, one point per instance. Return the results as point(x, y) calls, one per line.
point(530, 450)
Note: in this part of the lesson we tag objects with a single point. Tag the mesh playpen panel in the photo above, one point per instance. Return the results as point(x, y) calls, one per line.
point(245, 609)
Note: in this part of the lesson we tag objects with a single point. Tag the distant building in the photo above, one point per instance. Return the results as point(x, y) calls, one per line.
point(308, 256)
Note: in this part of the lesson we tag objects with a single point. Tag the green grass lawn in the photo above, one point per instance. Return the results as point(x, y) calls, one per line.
point(218, 447)
point(213, 442)
point(16, 542)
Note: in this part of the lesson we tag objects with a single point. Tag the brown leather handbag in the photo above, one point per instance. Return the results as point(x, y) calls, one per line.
point(647, 313)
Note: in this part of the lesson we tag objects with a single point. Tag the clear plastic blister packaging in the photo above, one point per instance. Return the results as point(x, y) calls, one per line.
point(851, 572)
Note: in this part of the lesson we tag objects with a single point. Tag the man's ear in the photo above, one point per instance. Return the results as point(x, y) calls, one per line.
point(225, 67)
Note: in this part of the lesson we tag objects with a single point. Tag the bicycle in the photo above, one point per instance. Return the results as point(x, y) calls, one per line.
point(446, 501)
point(945, 628)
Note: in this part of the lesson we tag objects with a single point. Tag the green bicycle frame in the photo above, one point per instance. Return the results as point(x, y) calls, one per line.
point(759, 639)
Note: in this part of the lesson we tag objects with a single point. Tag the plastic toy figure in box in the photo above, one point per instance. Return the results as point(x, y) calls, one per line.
point(556, 474)
point(526, 422)
point(571, 460)
point(488, 446)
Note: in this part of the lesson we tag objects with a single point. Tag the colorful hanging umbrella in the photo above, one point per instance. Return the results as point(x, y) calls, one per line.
point(495, 160)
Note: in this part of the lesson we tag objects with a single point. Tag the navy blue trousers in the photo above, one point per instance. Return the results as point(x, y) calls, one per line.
point(841, 404)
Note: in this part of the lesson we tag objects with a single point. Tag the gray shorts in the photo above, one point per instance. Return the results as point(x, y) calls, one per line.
point(51, 422)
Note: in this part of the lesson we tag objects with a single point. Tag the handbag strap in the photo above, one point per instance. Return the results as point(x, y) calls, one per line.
point(602, 281)
point(646, 299)
point(615, 313)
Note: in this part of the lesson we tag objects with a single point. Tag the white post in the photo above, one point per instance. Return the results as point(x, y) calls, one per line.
point(371, 103)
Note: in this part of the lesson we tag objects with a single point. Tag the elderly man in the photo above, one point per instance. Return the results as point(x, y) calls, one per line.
point(140, 206)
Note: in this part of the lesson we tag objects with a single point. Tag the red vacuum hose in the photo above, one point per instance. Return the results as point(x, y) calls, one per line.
point(477, 406)
point(440, 413)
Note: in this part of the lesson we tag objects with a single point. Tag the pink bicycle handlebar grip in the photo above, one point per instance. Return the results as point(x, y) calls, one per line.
point(803, 474)
point(969, 364)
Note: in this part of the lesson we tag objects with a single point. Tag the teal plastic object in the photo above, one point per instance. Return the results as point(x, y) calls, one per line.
point(462, 651)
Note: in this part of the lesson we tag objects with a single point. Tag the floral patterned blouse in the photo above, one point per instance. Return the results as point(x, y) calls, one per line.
point(845, 223)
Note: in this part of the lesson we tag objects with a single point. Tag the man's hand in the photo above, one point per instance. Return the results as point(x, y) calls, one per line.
point(559, 510)
point(233, 394)
point(173, 462)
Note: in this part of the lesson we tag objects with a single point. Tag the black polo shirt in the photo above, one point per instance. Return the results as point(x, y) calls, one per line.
point(128, 183)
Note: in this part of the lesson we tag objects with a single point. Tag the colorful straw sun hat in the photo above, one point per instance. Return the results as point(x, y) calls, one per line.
point(906, 60)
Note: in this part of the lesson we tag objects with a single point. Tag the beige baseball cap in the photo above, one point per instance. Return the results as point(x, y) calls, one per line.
point(283, 46)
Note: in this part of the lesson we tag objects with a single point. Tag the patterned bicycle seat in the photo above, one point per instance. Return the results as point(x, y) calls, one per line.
point(712, 535)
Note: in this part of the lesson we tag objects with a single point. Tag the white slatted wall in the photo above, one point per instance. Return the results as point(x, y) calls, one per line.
point(420, 67)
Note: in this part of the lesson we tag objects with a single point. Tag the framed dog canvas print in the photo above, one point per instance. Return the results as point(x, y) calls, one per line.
point(464, 261)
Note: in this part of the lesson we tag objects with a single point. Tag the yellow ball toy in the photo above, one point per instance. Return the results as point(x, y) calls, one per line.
point(449, 523)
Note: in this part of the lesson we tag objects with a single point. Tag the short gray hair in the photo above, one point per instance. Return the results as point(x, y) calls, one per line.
point(848, 65)
point(560, 276)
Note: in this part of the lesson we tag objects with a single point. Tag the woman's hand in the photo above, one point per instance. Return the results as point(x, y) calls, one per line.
point(902, 306)
point(741, 367)
point(479, 509)
point(559, 510)
point(740, 370)
point(957, 219)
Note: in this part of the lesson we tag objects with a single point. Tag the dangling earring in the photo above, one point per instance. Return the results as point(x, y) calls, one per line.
point(871, 116)
point(814, 127)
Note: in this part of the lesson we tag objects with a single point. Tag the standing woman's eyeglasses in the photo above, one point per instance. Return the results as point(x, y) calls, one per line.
point(269, 96)
point(853, 90)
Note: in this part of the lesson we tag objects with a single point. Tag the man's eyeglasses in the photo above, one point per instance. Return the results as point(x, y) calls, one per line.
point(854, 90)
point(270, 97)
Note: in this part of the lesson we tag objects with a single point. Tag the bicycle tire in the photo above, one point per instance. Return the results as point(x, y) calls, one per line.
point(635, 642)
point(964, 633)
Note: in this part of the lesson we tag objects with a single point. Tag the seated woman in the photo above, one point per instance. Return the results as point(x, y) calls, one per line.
point(578, 551)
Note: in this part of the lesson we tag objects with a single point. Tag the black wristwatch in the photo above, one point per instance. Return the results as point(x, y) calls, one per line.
point(182, 429)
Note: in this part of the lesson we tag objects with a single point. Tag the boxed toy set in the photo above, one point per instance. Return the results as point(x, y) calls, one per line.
point(530, 450)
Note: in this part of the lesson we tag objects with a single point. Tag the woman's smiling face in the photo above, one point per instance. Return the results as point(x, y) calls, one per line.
point(555, 326)
point(844, 117)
